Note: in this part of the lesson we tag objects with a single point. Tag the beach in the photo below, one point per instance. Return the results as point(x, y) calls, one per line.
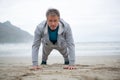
point(88, 68)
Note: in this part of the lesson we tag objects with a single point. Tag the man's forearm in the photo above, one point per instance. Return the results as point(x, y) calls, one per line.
point(71, 54)
point(35, 55)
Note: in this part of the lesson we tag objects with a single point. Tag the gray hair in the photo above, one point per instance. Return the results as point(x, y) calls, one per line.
point(53, 12)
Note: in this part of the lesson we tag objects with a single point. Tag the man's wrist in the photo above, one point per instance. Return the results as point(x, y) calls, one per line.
point(71, 63)
point(35, 63)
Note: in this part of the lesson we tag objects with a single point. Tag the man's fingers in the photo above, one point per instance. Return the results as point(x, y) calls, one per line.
point(69, 67)
point(35, 68)
point(32, 69)
point(39, 68)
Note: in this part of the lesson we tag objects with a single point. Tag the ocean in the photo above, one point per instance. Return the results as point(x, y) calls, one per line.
point(81, 49)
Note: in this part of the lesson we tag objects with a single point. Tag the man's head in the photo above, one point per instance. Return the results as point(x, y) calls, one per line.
point(53, 17)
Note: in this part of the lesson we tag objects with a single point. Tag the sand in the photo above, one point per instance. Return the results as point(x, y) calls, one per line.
point(88, 68)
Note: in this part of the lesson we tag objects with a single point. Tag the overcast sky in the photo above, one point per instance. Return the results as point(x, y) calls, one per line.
point(90, 20)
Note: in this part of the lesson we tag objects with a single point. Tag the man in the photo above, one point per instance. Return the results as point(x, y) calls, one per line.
point(54, 33)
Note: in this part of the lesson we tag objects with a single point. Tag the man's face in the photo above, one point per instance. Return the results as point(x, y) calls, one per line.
point(52, 21)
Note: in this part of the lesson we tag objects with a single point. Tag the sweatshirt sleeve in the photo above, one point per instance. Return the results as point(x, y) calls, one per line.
point(70, 45)
point(36, 45)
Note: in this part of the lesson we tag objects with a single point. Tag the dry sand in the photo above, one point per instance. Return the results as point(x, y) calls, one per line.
point(88, 68)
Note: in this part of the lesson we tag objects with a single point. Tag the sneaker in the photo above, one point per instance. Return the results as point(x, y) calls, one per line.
point(43, 63)
point(66, 62)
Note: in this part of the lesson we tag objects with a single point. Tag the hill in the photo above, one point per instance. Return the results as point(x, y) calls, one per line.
point(12, 34)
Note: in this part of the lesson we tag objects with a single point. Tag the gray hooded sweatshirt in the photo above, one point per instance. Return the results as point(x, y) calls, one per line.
point(65, 38)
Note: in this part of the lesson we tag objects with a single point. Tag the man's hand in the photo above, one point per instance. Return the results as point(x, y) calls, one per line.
point(35, 68)
point(70, 67)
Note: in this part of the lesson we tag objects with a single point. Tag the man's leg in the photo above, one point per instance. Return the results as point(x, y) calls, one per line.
point(45, 53)
point(64, 53)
